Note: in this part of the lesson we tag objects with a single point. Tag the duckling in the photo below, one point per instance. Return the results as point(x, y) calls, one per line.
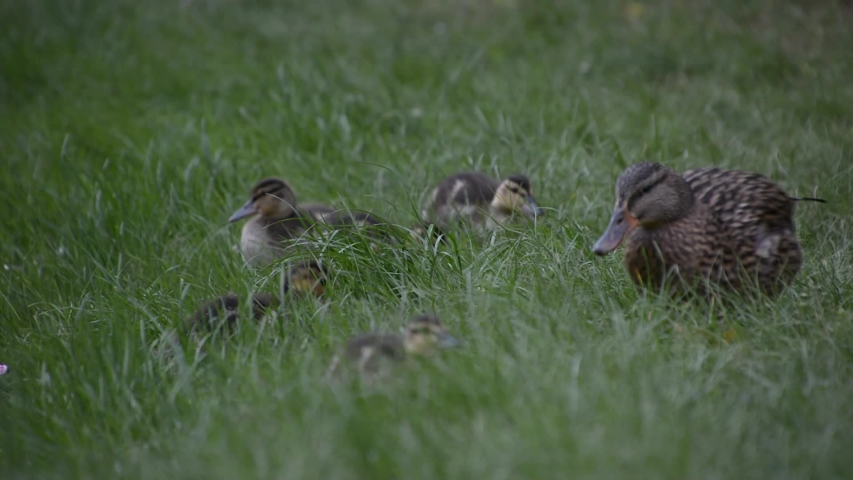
point(479, 200)
point(730, 228)
point(304, 279)
point(278, 223)
point(370, 352)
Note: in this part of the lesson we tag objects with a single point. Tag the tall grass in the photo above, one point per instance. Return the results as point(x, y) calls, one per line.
point(130, 131)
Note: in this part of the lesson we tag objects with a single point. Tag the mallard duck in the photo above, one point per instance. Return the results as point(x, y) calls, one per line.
point(304, 279)
point(370, 352)
point(278, 223)
point(478, 200)
point(726, 227)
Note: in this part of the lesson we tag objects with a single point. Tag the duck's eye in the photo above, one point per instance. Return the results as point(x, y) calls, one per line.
point(513, 189)
point(645, 189)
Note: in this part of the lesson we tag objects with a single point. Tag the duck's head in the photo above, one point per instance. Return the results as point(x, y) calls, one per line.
point(306, 279)
point(270, 197)
point(648, 195)
point(425, 334)
point(514, 194)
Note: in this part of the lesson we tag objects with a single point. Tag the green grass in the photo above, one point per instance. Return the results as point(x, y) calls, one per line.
point(129, 131)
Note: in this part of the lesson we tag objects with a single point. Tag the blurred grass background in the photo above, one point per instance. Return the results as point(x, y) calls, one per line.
point(129, 131)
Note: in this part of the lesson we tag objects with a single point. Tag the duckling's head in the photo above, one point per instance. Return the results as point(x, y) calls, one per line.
point(425, 334)
point(306, 278)
point(648, 195)
point(271, 198)
point(514, 194)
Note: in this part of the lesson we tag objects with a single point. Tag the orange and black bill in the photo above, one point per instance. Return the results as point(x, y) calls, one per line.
point(621, 224)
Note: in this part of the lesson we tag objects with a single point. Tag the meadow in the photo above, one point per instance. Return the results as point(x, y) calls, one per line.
point(130, 131)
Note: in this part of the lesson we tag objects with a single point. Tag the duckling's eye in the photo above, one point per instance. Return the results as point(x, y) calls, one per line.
point(513, 189)
point(645, 189)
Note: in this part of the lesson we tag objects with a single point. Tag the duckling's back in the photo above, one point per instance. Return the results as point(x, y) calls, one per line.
point(369, 352)
point(461, 195)
point(225, 310)
point(377, 345)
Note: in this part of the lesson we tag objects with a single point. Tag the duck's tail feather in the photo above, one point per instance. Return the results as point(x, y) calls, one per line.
point(809, 199)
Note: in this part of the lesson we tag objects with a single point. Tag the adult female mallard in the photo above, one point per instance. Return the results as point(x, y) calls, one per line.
point(709, 226)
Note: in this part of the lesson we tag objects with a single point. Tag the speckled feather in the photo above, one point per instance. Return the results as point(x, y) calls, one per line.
point(758, 218)
point(740, 230)
point(653, 255)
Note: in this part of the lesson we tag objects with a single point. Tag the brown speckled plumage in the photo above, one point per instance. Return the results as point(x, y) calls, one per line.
point(729, 228)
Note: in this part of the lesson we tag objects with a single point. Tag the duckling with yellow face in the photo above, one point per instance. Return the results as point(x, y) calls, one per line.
point(370, 353)
point(304, 279)
point(479, 201)
point(277, 223)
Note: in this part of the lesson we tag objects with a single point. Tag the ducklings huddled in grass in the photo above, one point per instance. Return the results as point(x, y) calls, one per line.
point(686, 233)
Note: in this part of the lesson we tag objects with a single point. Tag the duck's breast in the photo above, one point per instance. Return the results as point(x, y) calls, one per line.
point(687, 252)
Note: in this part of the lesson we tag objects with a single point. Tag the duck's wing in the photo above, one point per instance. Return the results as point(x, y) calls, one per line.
point(459, 197)
point(741, 199)
point(757, 217)
point(297, 224)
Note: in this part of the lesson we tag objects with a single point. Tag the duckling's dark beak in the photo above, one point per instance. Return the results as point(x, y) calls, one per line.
point(620, 225)
point(446, 340)
point(531, 208)
point(246, 210)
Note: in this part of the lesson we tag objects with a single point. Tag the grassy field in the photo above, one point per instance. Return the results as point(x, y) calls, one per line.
point(130, 131)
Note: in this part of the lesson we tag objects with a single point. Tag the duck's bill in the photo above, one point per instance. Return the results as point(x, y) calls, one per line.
point(446, 340)
point(246, 210)
point(620, 226)
point(531, 208)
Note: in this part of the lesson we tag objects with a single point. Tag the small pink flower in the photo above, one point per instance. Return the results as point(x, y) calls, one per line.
point(3, 369)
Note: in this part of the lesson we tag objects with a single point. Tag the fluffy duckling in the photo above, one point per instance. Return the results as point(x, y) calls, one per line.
point(304, 279)
point(370, 352)
point(726, 227)
point(480, 201)
point(278, 223)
